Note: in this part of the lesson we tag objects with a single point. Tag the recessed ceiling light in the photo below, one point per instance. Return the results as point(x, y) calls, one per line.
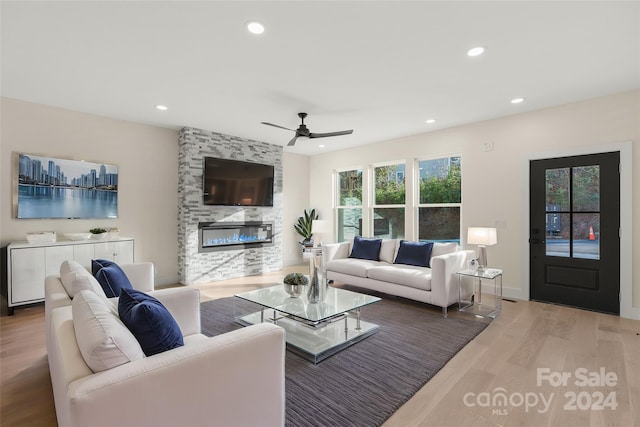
point(162, 107)
point(517, 100)
point(321, 146)
point(430, 121)
point(255, 27)
point(476, 51)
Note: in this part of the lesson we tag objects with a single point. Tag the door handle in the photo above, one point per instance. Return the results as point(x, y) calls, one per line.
point(536, 241)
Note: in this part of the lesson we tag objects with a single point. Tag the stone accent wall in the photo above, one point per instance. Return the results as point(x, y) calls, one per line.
point(194, 267)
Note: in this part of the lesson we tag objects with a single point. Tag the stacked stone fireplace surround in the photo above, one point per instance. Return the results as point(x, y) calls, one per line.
point(195, 267)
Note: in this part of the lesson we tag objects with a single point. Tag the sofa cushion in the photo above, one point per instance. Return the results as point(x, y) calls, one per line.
point(104, 341)
point(407, 275)
point(111, 277)
point(351, 266)
point(414, 253)
point(68, 266)
point(150, 322)
point(440, 248)
point(388, 250)
point(366, 248)
point(76, 281)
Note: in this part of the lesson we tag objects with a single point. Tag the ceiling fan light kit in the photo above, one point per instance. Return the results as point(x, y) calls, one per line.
point(303, 131)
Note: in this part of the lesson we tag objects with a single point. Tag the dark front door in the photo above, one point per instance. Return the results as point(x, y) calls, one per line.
point(574, 236)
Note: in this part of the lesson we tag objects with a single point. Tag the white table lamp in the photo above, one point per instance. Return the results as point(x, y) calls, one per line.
point(319, 227)
point(483, 237)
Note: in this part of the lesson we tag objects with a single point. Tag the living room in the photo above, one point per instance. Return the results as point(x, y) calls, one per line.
point(495, 181)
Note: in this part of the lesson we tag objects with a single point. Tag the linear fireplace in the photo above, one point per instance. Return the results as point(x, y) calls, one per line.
point(224, 235)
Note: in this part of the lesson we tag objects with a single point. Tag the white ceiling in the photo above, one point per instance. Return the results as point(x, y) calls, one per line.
point(380, 68)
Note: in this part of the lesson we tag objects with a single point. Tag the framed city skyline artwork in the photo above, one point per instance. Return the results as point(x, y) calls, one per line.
point(50, 187)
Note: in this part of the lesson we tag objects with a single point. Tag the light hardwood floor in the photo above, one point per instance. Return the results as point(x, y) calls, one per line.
point(503, 361)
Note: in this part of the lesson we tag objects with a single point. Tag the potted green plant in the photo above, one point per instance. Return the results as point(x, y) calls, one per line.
point(294, 284)
point(98, 233)
point(304, 226)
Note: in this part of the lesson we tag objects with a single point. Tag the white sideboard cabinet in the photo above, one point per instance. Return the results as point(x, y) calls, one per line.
point(29, 263)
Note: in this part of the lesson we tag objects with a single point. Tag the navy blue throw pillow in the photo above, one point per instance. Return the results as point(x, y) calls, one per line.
point(149, 321)
point(111, 277)
point(414, 253)
point(97, 264)
point(366, 248)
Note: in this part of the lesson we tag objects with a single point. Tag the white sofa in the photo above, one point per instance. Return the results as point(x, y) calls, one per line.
point(437, 285)
point(206, 382)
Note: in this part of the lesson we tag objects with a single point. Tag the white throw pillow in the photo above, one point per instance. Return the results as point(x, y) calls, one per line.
point(443, 248)
point(77, 281)
point(104, 341)
point(68, 266)
point(388, 250)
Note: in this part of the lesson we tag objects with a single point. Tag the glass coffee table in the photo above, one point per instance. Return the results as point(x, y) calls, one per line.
point(314, 331)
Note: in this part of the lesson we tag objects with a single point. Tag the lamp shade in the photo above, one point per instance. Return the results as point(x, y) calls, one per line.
point(319, 226)
point(482, 236)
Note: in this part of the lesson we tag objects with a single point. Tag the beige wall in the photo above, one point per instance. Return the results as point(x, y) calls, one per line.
point(147, 159)
point(495, 183)
point(295, 192)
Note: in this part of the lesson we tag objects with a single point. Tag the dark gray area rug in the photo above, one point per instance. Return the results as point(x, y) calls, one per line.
point(366, 383)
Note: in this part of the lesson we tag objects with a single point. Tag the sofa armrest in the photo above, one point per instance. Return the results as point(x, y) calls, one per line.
point(207, 383)
point(444, 281)
point(54, 296)
point(184, 305)
point(140, 275)
point(333, 251)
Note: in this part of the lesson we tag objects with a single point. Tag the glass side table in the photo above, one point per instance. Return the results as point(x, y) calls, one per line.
point(472, 299)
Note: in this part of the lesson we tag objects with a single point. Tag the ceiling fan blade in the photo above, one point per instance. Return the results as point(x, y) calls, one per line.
point(277, 126)
point(324, 135)
point(293, 141)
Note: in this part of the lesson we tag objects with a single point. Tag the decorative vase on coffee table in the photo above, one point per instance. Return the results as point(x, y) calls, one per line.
point(317, 284)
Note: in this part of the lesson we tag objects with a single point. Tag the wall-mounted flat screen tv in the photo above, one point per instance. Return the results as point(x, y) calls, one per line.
point(50, 187)
point(237, 183)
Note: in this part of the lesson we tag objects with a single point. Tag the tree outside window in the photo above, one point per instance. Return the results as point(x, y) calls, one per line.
point(349, 207)
point(440, 199)
point(389, 202)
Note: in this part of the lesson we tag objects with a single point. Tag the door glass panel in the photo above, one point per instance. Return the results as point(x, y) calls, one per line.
point(558, 234)
point(586, 236)
point(572, 212)
point(439, 224)
point(349, 223)
point(388, 223)
point(557, 195)
point(586, 188)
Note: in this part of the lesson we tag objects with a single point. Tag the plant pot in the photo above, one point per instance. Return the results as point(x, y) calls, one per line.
point(294, 290)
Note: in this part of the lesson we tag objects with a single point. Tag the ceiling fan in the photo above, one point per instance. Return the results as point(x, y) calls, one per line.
point(303, 131)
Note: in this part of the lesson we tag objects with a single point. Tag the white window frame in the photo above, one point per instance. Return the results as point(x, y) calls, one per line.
point(336, 198)
point(372, 194)
point(416, 194)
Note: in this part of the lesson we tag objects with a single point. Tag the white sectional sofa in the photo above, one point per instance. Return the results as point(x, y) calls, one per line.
point(206, 382)
point(436, 285)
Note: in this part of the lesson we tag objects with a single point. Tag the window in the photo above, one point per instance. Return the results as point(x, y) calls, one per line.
point(440, 199)
point(349, 205)
point(389, 201)
point(376, 203)
point(573, 212)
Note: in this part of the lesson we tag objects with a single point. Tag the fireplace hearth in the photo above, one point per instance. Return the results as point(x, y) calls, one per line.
point(224, 235)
